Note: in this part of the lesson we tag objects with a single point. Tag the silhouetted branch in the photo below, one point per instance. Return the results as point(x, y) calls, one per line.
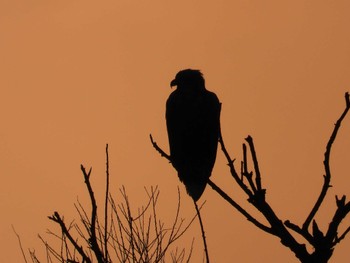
point(244, 170)
point(162, 153)
point(203, 233)
point(232, 167)
point(327, 176)
point(239, 208)
point(342, 236)
point(93, 240)
point(343, 208)
point(57, 218)
point(249, 139)
point(257, 198)
point(20, 244)
point(106, 206)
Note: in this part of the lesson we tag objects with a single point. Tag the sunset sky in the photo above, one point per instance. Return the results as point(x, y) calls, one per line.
point(77, 74)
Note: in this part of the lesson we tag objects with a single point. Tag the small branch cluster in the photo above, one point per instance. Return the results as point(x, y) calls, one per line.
point(144, 238)
point(323, 243)
point(124, 236)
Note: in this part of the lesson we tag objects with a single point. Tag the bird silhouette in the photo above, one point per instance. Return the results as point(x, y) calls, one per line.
point(193, 124)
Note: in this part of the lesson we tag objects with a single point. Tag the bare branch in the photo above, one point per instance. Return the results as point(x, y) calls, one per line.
point(93, 239)
point(106, 206)
point(249, 139)
point(232, 168)
point(203, 233)
point(327, 176)
point(245, 172)
point(20, 244)
point(162, 153)
point(57, 218)
point(239, 208)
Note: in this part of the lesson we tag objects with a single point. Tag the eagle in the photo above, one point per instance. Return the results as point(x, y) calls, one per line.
point(193, 125)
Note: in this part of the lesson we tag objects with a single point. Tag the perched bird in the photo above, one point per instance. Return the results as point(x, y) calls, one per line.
point(193, 124)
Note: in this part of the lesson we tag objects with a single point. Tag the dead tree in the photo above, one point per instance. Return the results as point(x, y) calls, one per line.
point(249, 180)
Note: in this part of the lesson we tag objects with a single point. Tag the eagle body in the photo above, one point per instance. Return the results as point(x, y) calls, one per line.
point(193, 124)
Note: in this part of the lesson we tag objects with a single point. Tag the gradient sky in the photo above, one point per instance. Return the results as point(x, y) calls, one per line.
point(75, 75)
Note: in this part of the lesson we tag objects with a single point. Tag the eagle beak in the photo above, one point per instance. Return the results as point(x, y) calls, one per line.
point(173, 83)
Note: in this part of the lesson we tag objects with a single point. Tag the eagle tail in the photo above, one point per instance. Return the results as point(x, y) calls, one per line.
point(195, 182)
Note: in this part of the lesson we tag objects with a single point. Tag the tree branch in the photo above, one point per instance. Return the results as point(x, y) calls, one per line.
point(57, 218)
point(203, 233)
point(327, 176)
point(106, 206)
point(162, 153)
point(249, 139)
point(93, 238)
point(239, 208)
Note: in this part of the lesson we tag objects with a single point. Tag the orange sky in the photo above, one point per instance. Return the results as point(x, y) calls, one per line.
point(75, 75)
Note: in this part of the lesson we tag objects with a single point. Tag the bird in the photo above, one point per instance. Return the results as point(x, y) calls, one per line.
point(193, 126)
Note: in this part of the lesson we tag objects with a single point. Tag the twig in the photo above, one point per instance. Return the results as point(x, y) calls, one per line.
point(249, 139)
point(106, 206)
point(343, 209)
point(244, 170)
point(232, 167)
point(93, 238)
point(327, 176)
point(203, 233)
point(342, 236)
point(56, 218)
point(162, 153)
point(20, 244)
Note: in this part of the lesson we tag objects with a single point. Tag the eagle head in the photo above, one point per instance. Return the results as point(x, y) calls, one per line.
point(192, 78)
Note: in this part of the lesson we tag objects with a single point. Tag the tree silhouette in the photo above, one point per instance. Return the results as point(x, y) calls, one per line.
point(122, 236)
point(250, 181)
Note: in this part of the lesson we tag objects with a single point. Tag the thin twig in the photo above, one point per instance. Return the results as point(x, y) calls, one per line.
point(232, 167)
point(20, 244)
point(203, 233)
point(327, 176)
point(106, 206)
point(162, 153)
point(249, 139)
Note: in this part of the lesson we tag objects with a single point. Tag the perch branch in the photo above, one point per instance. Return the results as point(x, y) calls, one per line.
point(239, 208)
point(162, 153)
